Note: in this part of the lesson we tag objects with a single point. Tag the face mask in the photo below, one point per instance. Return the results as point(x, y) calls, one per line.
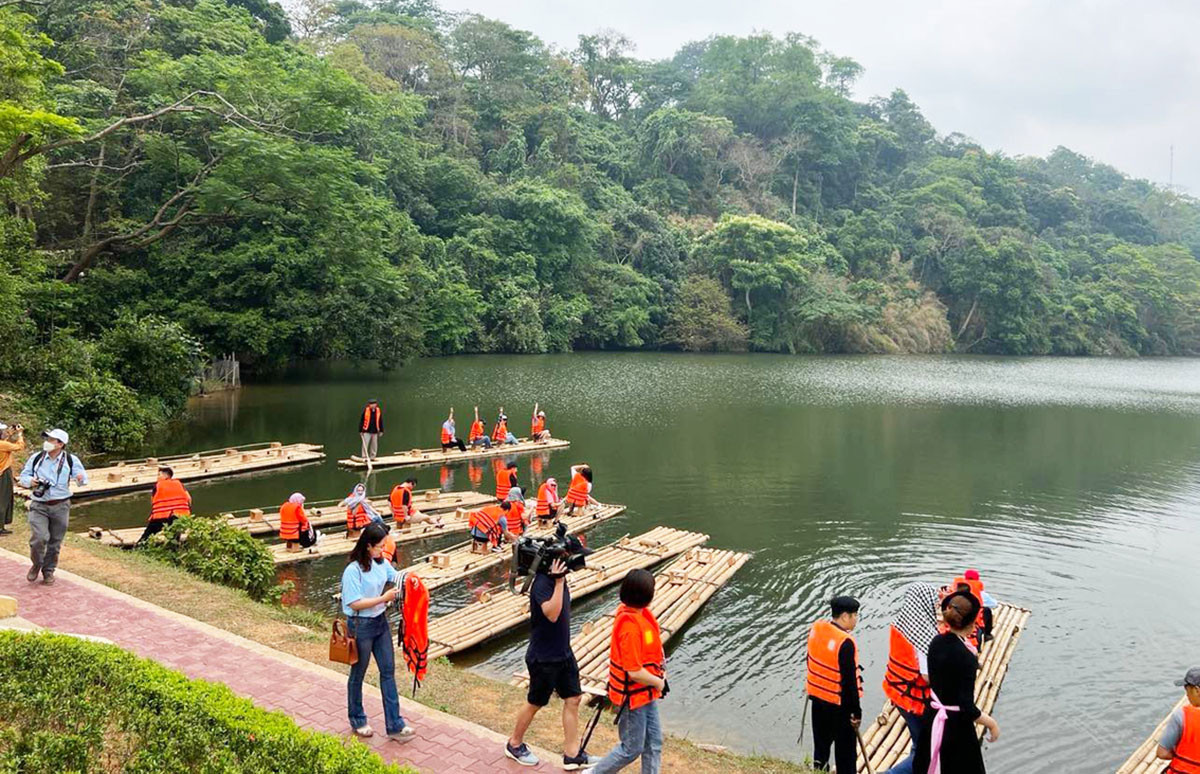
point(48, 446)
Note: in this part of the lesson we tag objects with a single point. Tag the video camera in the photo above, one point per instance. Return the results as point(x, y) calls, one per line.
point(533, 555)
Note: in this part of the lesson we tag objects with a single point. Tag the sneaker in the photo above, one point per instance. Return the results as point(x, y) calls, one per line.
point(580, 761)
point(4, 531)
point(31, 576)
point(48, 579)
point(521, 754)
point(403, 735)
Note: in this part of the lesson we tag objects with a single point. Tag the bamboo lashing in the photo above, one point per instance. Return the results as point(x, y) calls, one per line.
point(502, 609)
point(680, 590)
point(438, 456)
point(132, 475)
point(1144, 759)
point(887, 740)
point(458, 562)
point(257, 521)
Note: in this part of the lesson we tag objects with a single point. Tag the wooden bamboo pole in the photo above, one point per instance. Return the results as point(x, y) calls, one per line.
point(1144, 759)
point(437, 456)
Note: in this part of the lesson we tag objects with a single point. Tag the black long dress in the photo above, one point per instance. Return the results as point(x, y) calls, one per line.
point(952, 668)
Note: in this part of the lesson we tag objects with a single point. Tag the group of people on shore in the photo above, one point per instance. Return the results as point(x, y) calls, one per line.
point(370, 428)
point(933, 657)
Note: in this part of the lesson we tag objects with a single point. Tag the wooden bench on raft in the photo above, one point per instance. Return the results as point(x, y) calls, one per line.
point(1144, 759)
point(438, 456)
point(133, 475)
point(680, 590)
point(887, 739)
point(458, 562)
point(502, 610)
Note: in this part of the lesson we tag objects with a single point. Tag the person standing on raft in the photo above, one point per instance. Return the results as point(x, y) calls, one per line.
point(537, 428)
point(294, 528)
point(169, 501)
point(449, 439)
point(579, 494)
point(370, 427)
point(478, 435)
point(835, 686)
point(1180, 740)
point(906, 683)
point(359, 511)
point(948, 744)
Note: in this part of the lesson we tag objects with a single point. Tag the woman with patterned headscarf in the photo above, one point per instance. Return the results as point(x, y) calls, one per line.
point(906, 682)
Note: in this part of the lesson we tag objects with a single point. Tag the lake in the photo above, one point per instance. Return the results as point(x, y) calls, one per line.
point(1073, 485)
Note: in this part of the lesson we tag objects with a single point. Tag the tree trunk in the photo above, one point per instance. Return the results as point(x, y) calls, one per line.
point(795, 187)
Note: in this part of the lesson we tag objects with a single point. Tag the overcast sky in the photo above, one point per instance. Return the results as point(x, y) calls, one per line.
point(1117, 80)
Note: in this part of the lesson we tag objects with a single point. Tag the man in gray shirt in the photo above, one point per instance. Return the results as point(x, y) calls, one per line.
point(1180, 740)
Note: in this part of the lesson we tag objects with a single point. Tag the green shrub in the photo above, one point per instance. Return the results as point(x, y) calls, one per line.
point(219, 553)
point(71, 705)
point(154, 356)
point(100, 413)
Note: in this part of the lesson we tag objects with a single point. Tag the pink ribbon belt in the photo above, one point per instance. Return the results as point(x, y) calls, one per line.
point(935, 736)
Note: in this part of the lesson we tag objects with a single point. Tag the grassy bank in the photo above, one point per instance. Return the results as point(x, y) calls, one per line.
point(304, 633)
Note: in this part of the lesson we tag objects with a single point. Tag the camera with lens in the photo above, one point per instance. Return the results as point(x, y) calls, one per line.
point(533, 555)
point(39, 487)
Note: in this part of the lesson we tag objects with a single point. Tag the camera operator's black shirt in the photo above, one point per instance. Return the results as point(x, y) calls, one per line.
point(548, 641)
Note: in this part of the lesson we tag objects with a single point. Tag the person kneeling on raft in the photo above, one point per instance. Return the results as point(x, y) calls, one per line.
point(488, 525)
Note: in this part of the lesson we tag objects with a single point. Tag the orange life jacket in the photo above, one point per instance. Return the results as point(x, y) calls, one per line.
point(621, 688)
point(516, 518)
point(447, 436)
point(976, 587)
point(578, 493)
point(1186, 758)
point(544, 501)
point(371, 417)
point(389, 547)
point(537, 426)
point(500, 431)
point(414, 636)
point(357, 517)
point(291, 520)
point(476, 431)
point(902, 683)
point(504, 482)
point(487, 521)
point(401, 501)
point(169, 499)
point(824, 674)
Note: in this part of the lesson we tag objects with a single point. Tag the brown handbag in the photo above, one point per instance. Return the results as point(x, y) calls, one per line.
point(342, 647)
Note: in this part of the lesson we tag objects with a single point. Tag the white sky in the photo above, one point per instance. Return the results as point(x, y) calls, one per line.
point(1118, 80)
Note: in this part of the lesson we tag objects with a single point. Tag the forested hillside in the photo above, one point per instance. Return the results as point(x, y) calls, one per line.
point(382, 180)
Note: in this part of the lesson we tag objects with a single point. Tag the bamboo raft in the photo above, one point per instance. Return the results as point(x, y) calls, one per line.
point(887, 741)
point(502, 609)
point(438, 456)
point(680, 590)
point(257, 522)
point(458, 562)
point(132, 475)
point(1144, 760)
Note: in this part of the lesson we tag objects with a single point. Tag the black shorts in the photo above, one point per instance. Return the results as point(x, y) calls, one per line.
point(547, 677)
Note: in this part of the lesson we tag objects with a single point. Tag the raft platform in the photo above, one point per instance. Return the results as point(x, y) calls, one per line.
point(437, 456)
point(457, 562)
point(680, 590)
point(887, 739)
point(133, 475)
point(500, 610)
point(328, 512)
point(1144, 760)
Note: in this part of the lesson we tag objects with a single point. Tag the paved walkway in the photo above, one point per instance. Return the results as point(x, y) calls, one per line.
point(313, 695)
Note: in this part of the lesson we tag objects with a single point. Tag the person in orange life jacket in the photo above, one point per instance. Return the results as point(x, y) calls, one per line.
point(834, 686)
point(294, 528)
point(547, 501)
point(370, 427)
point(637, 678)
point(537, 426)
point(478, 435)
point(449, 439)
point(948, 734)
point(518, 519)
point(1180, 740)
point(971, 581)
point(487, 526)
point(500, 432)
point(506, 479)
point(168, 502)
point(906, 682)
point(403, 510)
point(579, 494)
point(359, 511)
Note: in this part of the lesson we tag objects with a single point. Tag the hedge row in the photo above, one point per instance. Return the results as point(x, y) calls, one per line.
point(67, 705)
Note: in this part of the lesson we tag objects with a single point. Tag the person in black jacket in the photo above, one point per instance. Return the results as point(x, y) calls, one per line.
point(953, 663)
point(835, 692)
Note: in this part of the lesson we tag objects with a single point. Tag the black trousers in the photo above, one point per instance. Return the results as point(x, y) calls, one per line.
point(457, 442)
point(831, 728)
point(154, 527)
point(6, 498)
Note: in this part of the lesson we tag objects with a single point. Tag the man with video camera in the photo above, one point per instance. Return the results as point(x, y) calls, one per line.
point(47, 475)
point(12, 439)
point(549, 659)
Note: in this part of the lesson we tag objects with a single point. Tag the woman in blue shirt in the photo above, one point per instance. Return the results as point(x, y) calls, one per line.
point(365, 601)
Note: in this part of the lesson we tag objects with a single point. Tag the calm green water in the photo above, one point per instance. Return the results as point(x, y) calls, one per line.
point(1074, 486)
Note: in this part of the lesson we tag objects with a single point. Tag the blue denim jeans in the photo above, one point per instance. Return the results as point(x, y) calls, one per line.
point(483, 441)
point(641, 734)
point(374, 636)
point(915, 724)
point(510, 438)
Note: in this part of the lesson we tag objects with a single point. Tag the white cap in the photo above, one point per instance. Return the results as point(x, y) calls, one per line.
point(58, 435)
point(3, 426)
point(541, 413)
